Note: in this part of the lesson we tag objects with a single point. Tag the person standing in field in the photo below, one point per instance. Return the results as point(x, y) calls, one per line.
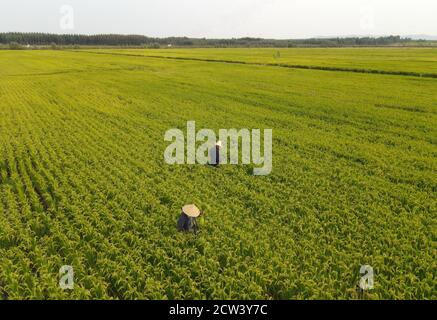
point(214, 154)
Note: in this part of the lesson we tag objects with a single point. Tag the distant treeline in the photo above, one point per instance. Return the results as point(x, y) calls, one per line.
point(43, 39)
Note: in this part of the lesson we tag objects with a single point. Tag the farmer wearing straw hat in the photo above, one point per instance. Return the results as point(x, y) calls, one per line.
point(187, 220)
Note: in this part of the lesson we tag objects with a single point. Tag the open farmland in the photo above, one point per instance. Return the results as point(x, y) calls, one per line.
point(417, 61)
point(83, 181)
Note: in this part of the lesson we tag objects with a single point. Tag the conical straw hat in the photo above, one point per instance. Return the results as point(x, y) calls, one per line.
point(191, 210)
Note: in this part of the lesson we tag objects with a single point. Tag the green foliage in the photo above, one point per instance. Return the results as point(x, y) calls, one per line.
point(36, 38)
point(154, 45)
point(83, 181)
point(15, 46)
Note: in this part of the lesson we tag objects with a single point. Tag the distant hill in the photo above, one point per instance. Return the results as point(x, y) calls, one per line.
point(422, 37)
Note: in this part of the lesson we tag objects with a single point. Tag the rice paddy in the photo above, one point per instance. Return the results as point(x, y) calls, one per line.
point(83, 181)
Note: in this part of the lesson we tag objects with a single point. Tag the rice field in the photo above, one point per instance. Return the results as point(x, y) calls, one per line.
point(417, 61)
point(83, 181)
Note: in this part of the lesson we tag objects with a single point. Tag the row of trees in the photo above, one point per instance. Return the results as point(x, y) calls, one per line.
point(73, 39)
point(44, 39)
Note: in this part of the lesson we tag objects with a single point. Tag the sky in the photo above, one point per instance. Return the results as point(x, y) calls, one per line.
point(280, 19)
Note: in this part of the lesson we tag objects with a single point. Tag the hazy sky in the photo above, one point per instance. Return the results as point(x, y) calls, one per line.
point(222, 18)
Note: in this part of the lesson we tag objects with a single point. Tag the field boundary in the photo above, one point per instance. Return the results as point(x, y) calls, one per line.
point(282, 65)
